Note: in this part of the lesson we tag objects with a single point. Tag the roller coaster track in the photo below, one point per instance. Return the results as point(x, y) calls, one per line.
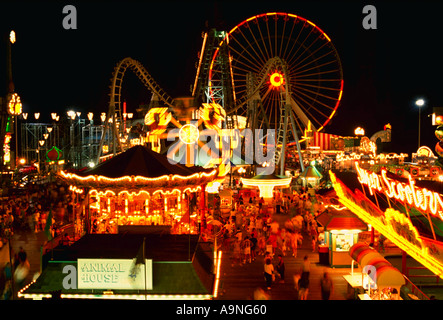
point(144, 76)
point(115, 109)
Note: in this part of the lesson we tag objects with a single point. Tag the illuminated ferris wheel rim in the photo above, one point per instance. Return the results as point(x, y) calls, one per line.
point(244, 100)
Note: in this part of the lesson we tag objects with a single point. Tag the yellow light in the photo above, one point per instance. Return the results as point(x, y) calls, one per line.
point(276, 79)
point(217, 264)
point(415, 247)
point(15, 105)
point(12, 37)
point(359, 131)
point(266, 187)
point(189, 133)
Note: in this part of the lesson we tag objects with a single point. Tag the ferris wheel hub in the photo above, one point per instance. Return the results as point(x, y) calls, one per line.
point(277, 79)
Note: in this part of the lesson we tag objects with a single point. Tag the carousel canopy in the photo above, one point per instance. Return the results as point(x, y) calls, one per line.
point(139, 167)
point(140, 161)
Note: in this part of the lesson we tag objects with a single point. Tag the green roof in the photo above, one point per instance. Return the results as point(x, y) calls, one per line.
point(168, 278)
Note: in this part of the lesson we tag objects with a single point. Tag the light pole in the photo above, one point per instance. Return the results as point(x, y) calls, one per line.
point(419, 103)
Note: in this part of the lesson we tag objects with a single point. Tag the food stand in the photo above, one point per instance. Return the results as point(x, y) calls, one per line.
point(141, 187)
point(378, 279)
point(341, 228)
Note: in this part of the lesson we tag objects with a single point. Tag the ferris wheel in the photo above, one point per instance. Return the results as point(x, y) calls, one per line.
point(282, 69)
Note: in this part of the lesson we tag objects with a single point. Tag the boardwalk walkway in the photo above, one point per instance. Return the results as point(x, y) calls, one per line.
point(238, 282)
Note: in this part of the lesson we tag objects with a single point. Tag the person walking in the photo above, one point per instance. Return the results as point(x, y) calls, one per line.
point(246, 246)
point(326, 286)
point(281, 268)
point(268, 272)
point(303, 283)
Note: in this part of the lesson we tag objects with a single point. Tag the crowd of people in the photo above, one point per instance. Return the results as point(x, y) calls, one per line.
point(28, 211)
point(251, 232)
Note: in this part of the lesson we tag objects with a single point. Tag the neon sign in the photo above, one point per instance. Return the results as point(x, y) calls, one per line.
point(420, 198)
point(394, 225)
point(7, 148)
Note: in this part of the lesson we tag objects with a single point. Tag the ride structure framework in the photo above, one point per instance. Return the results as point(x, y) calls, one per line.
point(272, 71)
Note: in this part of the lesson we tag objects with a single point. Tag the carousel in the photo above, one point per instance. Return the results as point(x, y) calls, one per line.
point(140, 187)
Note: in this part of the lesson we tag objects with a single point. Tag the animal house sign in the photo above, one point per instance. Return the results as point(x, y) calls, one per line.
point(420, 198)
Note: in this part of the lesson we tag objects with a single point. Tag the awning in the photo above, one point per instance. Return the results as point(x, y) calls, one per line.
point(386, 274)
point(333, 219)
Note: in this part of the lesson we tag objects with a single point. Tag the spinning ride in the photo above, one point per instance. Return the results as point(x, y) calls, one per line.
point(283, 72)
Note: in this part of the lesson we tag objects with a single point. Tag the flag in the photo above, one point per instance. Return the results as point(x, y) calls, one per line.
point(138, 260)
point(48, 225)
point(323, 140)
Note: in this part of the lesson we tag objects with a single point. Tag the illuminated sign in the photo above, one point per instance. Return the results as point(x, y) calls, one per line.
point(15, 105)
point(392, 224)
point(114, 274)
point(380, 157)
point(7, 148)
point(420, 198)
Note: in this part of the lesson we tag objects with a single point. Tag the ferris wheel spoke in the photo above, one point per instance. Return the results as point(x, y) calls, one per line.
point(245, 68)
point(301, 45)
point(250, 45)
point(317, 86)
point(247, 64)
point(316, 74)
point(264, 42)
point(295, 58)
point(312, 60)
point(283, 33)
point(316, 93)
point(301, 71)
point(290, 54)
point(301, 95)
point(261, 55)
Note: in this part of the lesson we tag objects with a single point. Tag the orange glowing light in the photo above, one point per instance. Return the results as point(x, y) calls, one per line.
point(420, 198)
point(389, 226)
point(276, 79)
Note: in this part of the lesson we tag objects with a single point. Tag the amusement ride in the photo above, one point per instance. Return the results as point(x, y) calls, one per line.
point(272, 71)
point(279, 73)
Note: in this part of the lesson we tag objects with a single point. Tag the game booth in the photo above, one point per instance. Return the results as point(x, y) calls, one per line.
point(340, 232)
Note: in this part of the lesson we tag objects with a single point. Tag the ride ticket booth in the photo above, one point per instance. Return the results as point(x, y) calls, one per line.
point(340, 232)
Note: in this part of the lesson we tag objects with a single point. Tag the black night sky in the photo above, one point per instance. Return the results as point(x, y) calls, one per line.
point(385, 70)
